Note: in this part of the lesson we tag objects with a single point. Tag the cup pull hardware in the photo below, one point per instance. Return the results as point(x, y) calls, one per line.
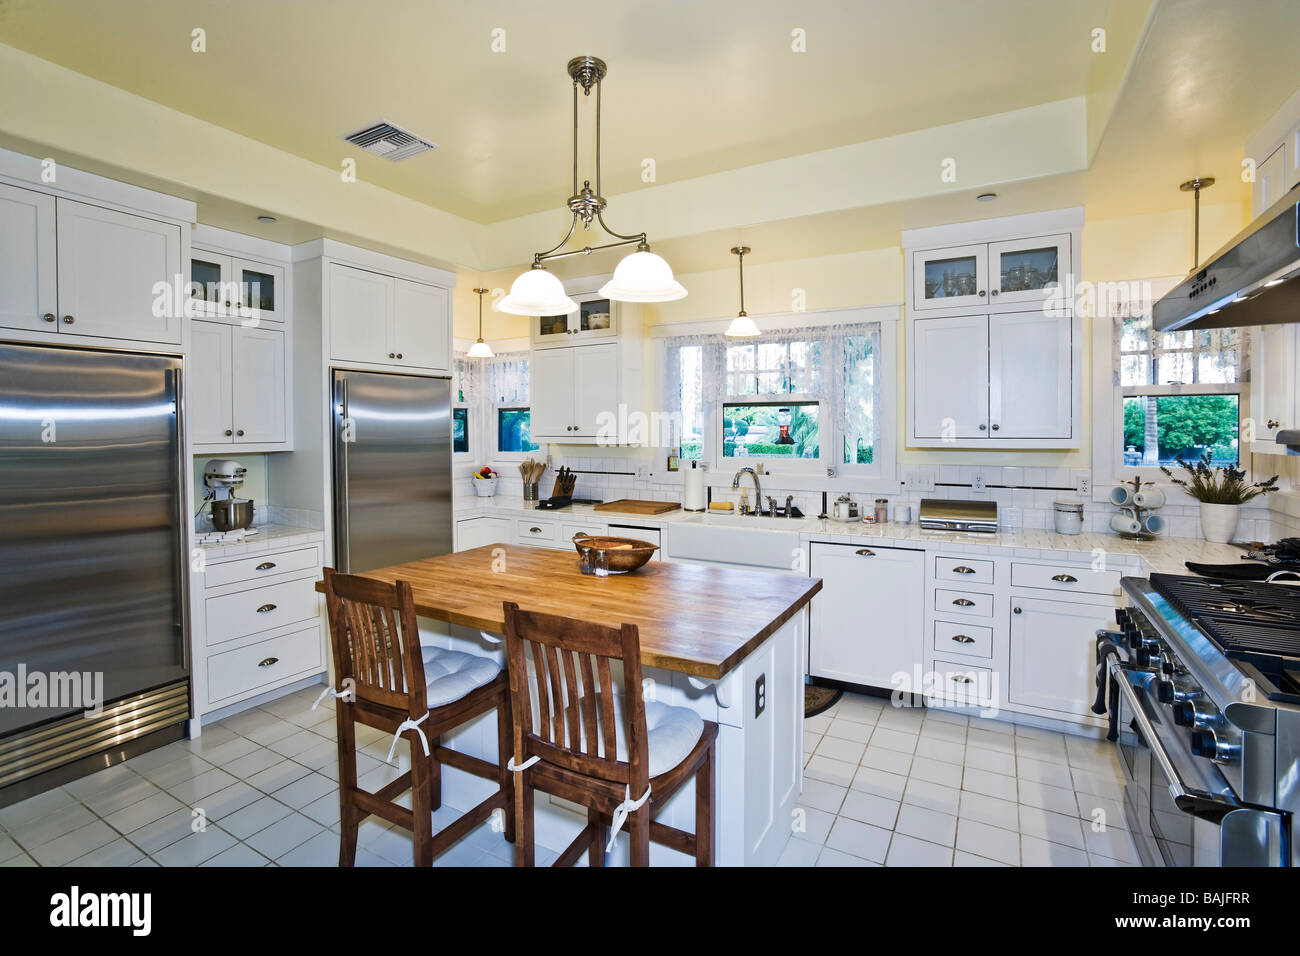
point(964, 602)
point(265, 607)
point(962, 679)
point(963, 639)
point(267, 662)
point(534, 530)
point(962, 569)
point(265, 566)
point(1065, 578)
point(865, 552)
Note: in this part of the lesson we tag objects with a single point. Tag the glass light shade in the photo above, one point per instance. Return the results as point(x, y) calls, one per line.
point(537, 292)
point(742, 326)
point(643, 277)
point(480, 349)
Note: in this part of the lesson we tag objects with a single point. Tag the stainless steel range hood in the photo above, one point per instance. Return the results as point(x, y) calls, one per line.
point(1253, 280)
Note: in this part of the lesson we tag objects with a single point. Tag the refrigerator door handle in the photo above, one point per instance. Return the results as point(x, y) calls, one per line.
point(182, 535)
point(344, 522)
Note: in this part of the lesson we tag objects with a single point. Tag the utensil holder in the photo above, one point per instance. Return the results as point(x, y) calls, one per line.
point(530, 491)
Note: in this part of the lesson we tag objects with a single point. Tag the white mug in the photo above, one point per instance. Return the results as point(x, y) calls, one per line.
point(1150, 498)
point(903, 514)
point(1121, 495)
point(1125, 523)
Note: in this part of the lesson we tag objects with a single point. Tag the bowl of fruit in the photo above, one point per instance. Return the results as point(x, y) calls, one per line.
point(485, 482)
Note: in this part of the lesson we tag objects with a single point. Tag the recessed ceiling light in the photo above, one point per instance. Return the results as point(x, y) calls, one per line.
point(266, 219)
point(986, 197)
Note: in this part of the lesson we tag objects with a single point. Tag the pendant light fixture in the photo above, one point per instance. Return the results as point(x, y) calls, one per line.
point(480, 349)
point(642, 276)
point(742, 326)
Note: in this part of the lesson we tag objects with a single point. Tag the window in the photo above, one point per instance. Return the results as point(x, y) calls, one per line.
point(513, 434)
point(810, 395)
point(460, 431)
point(1179, 392)
point(507, 392)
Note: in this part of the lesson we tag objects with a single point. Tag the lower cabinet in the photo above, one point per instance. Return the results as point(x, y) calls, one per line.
point(475, 532)
point(258, 623)
point(868, 620)
point(1053, 652)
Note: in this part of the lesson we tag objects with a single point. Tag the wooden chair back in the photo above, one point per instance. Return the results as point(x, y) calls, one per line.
point(564, 710)
point(376, 642)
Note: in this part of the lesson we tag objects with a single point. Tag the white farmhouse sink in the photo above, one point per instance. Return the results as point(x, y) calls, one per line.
point(736, 539)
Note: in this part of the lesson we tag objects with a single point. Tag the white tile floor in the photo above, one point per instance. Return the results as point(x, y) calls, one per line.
point(882, 786)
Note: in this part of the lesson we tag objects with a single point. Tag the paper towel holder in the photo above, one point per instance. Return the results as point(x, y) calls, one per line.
point(687, 477)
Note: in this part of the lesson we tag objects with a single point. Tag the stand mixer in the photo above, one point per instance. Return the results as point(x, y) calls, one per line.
point(223, 477)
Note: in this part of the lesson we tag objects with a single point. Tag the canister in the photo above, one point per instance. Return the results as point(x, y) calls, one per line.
point(1068, 516)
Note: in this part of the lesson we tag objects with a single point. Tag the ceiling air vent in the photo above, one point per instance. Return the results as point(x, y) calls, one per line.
point(389, 141)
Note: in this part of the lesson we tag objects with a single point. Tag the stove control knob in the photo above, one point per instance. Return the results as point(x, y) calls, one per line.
point(1206, 743)
point(1187, 714)
point(1171, 692)
point(1167, 667)
point(1148, 654)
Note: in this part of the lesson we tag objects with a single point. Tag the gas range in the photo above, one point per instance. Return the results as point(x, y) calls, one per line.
point(1206, 709)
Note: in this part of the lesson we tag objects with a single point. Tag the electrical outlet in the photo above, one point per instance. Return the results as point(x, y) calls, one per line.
point(918, 483)
point(977, 482)
point(760, 695)
point(1083, 485)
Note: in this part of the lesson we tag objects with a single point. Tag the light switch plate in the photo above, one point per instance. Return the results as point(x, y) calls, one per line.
point(918, 483)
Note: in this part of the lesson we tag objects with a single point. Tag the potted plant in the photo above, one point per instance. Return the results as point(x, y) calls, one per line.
point(485, 482)
point(1221, 492)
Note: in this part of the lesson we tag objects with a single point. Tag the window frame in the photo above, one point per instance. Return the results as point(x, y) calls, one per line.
point(497, 409)
point(492, 409)
point(818, 464)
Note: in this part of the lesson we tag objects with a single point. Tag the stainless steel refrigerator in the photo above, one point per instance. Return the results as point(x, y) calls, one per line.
point(92, 568)
point(392, 469)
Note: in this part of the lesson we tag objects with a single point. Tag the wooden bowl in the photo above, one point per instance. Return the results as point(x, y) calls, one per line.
point(623, 554)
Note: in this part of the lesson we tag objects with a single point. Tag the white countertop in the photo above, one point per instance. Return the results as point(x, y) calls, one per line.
point(1161, 555)
point(269, 537)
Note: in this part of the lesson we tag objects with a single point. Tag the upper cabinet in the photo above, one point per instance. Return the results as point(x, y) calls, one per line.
point(1270, 181)
point(994, 344)
point(989, 274)
point(28, 274)
point(1273, 398)
point(225, 286)
point(379, 319)
point(595, 319)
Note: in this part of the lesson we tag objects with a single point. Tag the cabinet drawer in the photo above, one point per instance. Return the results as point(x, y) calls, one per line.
point(969, 640)
point(543, 532)
point(963, 685)
point(263, 664)
point(1065, 577)
point(963, 602)
point(260, 609)
point(964, 570)
point(262, 566)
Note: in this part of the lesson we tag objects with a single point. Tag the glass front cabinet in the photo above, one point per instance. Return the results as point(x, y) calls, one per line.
point(987, 275)
point(596, 318)
point(222, 285)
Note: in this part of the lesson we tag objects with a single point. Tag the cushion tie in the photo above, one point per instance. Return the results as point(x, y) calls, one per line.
point(346, 694)
point(409, 724)
point(622, 810)
point(510, 764)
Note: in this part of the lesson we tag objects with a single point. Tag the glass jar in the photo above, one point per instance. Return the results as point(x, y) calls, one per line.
point(1068, 517)
point(882, 510)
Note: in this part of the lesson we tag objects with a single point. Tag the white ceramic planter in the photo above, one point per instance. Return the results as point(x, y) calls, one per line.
point(1219, 522)
point(485, 487)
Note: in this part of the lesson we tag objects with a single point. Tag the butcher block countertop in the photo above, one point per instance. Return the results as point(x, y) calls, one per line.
point(693, 619)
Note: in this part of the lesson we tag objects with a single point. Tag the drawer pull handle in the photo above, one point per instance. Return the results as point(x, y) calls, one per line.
point(865, 552)
point(963, 639)
point(265, 566)
point(962, 569)
point(962, 679)
point(1065, 578)
point(964, 602)
point(534, 530)
point(268, 662)
point(265, 607)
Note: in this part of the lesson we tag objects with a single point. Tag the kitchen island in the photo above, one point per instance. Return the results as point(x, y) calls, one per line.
point(728, 644)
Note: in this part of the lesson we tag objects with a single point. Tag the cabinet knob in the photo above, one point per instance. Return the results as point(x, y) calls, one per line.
point(984, 428)
point(1016, 610)
point(240, 433)
point(996, 427)
point(981, 293)
point(49, 317)
point(392, 355)
point(399, 354)
point(68, 320)
point(229, 432)
point(1271, 423)
point(227, 303)
point(267, 662)
point(994, 292)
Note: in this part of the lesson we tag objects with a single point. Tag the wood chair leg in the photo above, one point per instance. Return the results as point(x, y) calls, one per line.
point(506, 776)
point(704, 811)
point(435, 772)
point(349, 814)
point(638, 832)
point(423, 772)
point(525, 851)
point(596, 852)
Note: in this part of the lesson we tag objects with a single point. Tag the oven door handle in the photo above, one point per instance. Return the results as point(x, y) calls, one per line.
point(1196, 802)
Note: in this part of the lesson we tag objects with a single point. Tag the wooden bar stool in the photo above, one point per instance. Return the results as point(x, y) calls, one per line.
point(388, 681)
point(619, 756)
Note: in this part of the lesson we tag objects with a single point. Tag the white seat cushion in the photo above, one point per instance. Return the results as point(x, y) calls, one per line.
point(450, 675)
point(671, 734)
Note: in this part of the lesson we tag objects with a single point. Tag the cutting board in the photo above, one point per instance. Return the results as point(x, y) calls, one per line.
point(635, 506)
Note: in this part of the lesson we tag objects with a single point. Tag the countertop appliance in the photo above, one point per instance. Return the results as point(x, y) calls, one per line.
point(1206, 706)
point(93, 523)
point(391, 468)
point(941, 514)
point(1253, 280)
point(223, 477)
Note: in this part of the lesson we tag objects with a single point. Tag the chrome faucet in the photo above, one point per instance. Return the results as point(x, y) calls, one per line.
point(758, 491)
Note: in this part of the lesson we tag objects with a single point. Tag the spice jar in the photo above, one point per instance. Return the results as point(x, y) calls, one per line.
point(882, 510)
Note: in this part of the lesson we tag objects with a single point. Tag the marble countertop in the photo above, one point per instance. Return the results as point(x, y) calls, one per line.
point(269, 537)
point(1159, 555)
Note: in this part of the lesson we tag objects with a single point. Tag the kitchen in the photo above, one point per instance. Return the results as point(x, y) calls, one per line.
point(939, 516)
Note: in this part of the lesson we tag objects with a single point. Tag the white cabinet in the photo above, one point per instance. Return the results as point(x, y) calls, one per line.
point(1270, 181)
point(596, 318)
point(476, 532)
point(989, 274)
point(867, 621)
point(1006, 378)
point(571, 387)
point(111, 268)
point(250, 290)
point(28, 274)
point(1273, 396)
point(384, 320)
point(1053, 652)
point(1292, 158)
point(237, 386)
point(1029, 375)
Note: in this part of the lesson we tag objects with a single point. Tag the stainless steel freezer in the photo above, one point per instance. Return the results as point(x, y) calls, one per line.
point(392, 468)
point(92, 573)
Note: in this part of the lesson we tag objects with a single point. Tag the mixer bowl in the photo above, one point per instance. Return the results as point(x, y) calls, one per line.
point(232, 514)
